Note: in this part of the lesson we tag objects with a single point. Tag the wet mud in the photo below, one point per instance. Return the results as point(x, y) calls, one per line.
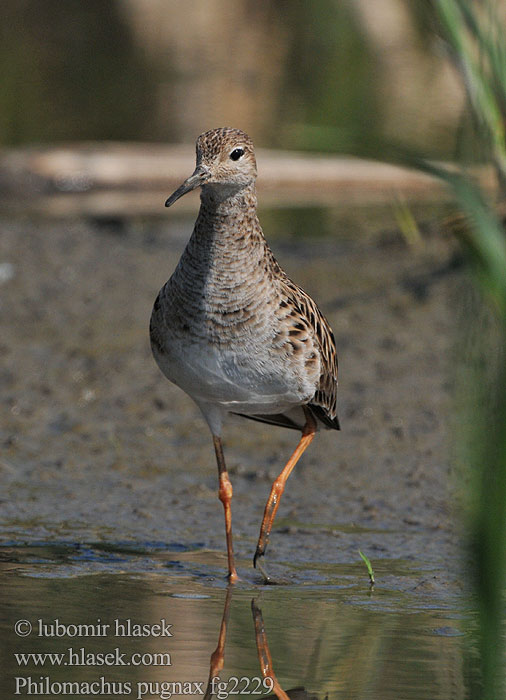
point(100, 452)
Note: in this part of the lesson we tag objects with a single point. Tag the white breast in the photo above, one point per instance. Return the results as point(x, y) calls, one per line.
point(243, 382)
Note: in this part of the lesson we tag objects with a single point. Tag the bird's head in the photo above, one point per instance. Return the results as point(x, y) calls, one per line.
point(225, 164)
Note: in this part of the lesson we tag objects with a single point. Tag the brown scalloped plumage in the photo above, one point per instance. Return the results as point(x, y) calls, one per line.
point(232, 330)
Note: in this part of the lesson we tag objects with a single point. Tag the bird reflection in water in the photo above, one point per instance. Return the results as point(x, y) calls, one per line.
point(264, 657)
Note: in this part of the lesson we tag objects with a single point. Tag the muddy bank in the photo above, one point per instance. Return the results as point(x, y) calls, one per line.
point(96, 446)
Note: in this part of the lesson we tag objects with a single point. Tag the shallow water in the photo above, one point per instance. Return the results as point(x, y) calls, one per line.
point(338, 639)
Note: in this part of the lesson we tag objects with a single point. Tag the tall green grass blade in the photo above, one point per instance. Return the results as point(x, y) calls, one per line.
point(478, 43)
point(485, 240)
point(479, 51)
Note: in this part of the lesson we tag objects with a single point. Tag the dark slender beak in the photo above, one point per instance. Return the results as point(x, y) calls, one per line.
point(198, 178)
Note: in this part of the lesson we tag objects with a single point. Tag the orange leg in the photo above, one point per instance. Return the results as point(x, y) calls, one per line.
point(225, 496)
point(218, 655)
point(272, 505)
point(264, 655)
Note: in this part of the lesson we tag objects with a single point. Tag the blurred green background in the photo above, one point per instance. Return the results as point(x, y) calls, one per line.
point(333, 75)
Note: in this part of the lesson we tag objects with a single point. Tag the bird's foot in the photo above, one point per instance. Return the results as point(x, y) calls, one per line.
point(257, 560)
point(233, 576)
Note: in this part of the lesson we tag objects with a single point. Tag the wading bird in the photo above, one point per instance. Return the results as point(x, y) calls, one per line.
point(233, 331)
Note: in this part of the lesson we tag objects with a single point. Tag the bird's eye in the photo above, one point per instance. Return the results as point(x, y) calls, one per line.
point(237, 153)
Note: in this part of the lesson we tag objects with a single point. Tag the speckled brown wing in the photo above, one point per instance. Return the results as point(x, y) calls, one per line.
point(304, 331)
point(323, 405)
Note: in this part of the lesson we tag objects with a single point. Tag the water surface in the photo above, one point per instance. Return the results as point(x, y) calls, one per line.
point(336, 640)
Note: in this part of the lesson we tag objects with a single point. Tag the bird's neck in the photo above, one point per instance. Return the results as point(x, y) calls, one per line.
point(227, 220)
point(227, 265)
point(227, 248)
point(218, 201)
